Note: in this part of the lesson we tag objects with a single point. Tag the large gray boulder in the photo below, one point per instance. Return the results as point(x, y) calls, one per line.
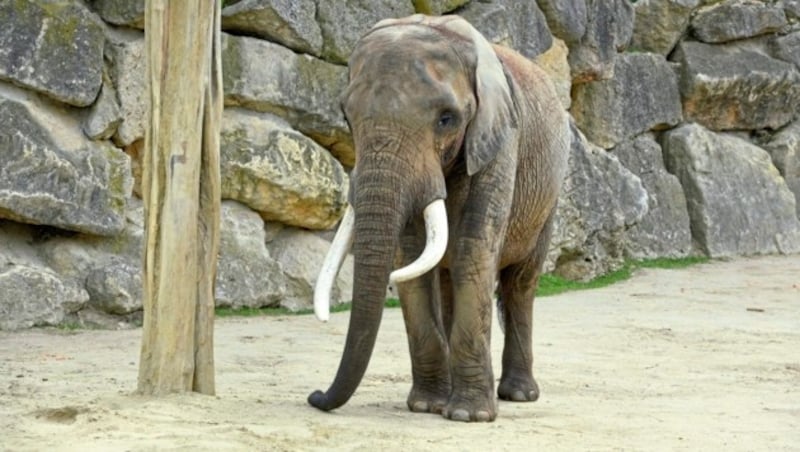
point(738, 202)
point(565, 18)
point(115, 288)
point(665, 230)
point(660, 24)
point(279, 172)
point(291, 23)
point(609, 28)
point(34, 296)
point(344, 21)
point(599, 202)
point(304, 90)
point(737, 19)
point(784, 147)
point(726, 87)
point(641, 96)
point(787, 48)
point(55, 48)
point(129, 13)
point(52, 175)
point(519, 25)
point(247, 276)
point(300, 254)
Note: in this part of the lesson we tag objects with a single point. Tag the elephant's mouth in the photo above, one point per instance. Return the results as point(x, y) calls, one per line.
point(436, 231)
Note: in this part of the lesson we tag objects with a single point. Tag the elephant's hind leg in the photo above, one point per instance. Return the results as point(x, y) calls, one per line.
point(427, 340)
point(518, 284)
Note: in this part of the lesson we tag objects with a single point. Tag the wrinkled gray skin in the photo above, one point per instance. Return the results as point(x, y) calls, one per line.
point(434, 115)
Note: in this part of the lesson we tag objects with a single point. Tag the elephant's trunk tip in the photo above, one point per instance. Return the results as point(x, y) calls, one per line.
point(320, 400)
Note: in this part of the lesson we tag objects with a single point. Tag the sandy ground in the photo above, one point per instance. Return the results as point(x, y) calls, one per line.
point(706, 358)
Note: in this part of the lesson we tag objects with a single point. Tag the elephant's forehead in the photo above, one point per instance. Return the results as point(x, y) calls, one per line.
point(397, 80)
point(410, 50)
point(403, 43)
point(406, 67)
point(403, 32)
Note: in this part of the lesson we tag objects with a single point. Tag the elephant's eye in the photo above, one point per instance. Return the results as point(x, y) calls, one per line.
point(447, 118)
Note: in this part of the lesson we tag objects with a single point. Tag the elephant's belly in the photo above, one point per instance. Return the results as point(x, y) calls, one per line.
point(522, 236)
point(530, 211)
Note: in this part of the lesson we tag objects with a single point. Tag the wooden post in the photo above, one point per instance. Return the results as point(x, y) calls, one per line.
point(181, 189)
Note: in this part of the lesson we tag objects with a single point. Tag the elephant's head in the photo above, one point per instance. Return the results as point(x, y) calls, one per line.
point(426, 95)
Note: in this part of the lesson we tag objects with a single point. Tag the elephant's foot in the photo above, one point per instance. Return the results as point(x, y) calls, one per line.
point(427, 401)
point(518, 388)
point(482, 409)
point(473, 401)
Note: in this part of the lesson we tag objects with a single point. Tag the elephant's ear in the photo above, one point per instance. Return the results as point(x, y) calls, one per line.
point(493, 126)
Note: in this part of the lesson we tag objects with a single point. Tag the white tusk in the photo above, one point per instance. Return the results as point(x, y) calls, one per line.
point(435, 246)
point(342, 242)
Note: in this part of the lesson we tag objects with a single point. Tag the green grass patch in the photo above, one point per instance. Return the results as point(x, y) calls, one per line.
point(70, 327)
point(550, 284)
point(671, 264)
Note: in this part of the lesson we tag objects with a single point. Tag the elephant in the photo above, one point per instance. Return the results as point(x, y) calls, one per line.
point(461, 149)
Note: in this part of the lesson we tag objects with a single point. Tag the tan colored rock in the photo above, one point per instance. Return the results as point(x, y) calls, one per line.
point(279, 172)
point(736, 86)
point(554, 62)
point(660, 24)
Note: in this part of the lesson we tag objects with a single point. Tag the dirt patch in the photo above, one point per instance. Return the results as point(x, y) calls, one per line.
point(703, 358)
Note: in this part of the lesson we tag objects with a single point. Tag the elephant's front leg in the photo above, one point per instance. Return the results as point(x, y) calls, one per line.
point(427, 341)
point(473, 274)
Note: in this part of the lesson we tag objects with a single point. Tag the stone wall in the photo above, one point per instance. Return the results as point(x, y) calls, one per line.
point(686, 139)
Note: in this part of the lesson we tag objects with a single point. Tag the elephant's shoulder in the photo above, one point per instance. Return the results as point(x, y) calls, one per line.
point(524, 71)
point(531, 81)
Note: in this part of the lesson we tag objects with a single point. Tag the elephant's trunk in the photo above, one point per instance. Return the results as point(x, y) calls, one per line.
point(381, 210)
